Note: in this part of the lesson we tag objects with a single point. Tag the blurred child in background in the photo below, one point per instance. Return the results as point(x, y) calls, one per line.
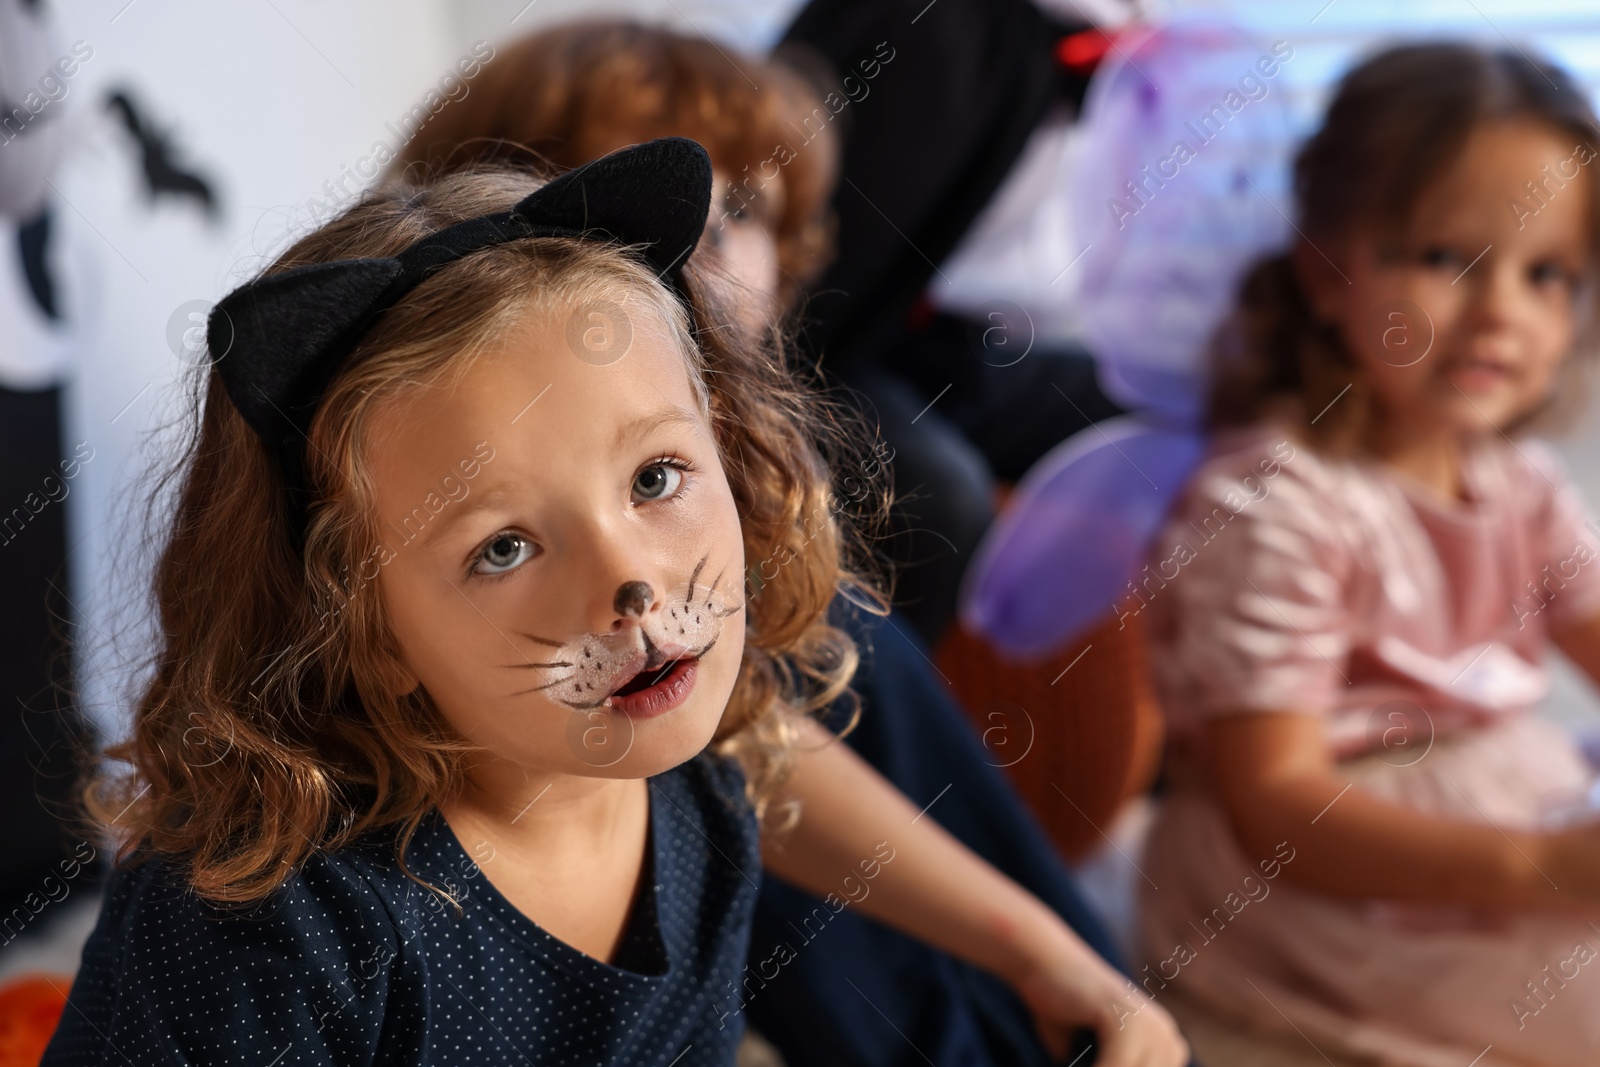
point(576, 91)
point(1371, 838)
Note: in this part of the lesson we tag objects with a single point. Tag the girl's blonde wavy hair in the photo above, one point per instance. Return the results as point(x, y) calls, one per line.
point(267, 731)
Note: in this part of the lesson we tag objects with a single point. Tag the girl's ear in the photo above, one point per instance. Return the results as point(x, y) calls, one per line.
point(1326, 289)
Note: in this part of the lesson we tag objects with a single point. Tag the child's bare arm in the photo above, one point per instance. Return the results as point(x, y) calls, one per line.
point(935, 889)
point(1278, 782)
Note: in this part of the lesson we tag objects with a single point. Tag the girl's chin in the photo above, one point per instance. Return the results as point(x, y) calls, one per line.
point(643, 761)
point(612, 745)
point(1487, 415)
point(1451, 407)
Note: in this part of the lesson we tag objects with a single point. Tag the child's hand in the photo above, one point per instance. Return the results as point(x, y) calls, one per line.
point(939, 891)
point(1065, 995)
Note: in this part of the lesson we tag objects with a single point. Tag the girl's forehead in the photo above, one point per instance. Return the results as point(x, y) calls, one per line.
point(1500, 159)
point(1504, 164)
point(564, 380)
point(595, 350)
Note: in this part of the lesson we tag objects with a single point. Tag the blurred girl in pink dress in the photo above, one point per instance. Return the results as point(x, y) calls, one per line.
point(1370, 837)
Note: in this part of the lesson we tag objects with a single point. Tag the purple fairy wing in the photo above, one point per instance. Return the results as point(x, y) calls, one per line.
point(1183, 175)
point(1077, 530)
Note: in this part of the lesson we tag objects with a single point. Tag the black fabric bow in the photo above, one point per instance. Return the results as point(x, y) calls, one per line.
point(278, 341)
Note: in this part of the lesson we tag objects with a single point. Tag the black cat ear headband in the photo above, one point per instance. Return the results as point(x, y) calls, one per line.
point(277, 342)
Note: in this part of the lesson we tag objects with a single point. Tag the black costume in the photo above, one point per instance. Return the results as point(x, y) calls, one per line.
point(923, 152)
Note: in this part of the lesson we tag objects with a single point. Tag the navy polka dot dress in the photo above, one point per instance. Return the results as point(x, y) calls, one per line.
point(350, 962)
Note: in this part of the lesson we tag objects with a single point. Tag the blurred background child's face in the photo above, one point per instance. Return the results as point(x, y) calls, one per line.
point(1491, 284)
point(740, 239)
point(530, 567)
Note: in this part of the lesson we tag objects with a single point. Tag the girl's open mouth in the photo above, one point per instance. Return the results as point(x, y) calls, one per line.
point(1479, 375)
point(656, 690)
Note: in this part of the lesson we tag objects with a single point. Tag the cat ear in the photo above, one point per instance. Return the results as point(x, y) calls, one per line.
point(655, 196)
point(268, 340)
point(277, 342)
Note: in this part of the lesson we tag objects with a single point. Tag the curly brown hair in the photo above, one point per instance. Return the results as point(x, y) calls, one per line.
point(269, 731)
point(570, 94)
point(1396, 125)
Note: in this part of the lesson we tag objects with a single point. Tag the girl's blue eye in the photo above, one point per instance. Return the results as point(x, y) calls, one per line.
point(505, 553)
point(1549, 273)
point(660, 480)
point(1439, 257)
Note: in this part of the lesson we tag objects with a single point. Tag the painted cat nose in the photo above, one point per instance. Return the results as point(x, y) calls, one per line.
point(634, 598)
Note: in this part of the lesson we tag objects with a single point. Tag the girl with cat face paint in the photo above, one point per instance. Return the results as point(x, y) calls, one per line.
point(529, 776)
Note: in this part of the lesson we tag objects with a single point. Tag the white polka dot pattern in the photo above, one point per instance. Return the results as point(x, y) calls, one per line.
point(352, 963)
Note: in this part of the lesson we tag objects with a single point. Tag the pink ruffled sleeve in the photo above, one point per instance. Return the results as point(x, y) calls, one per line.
point(1567, 534)
point(1252, 614)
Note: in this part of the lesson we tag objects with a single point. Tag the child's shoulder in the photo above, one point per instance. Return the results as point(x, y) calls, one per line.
point(1527, 466)
point(1249, 465)
point(169, 974)
point(330, 898)
point(1269, 475)
point(1241, 449)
